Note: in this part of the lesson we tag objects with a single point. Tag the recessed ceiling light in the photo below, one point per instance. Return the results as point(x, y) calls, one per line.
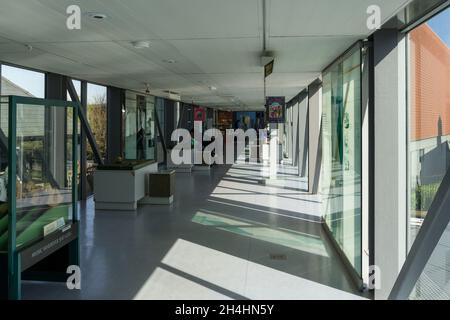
point(97, 16)
point(141, 44)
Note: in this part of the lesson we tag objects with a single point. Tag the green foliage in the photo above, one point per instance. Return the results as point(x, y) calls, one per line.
point(96, 114)
point(423, 196)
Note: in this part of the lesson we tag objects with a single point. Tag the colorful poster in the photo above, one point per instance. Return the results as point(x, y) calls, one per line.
point(275, 109)
point(199, 114)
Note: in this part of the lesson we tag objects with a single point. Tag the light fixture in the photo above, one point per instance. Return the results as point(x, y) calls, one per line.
point(98, 16)
point(169, 61)
point(141, 44)
point(212, 88)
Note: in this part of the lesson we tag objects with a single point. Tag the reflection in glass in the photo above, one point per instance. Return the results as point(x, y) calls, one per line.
point(429, 143)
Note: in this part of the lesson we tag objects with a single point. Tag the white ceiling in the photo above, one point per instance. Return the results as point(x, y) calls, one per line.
point(214, 43)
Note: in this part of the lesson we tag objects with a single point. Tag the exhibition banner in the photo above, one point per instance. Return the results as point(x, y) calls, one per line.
point(275, 109)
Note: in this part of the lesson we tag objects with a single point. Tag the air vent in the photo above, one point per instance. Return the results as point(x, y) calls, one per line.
point(278, 256)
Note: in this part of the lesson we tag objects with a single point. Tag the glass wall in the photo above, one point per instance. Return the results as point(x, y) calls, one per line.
point(20, 82)
point(140, 127)
point(429, 142)
point(97, 118)
point(341, 154)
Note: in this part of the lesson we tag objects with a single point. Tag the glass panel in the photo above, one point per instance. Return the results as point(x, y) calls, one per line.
point(140, 127)
point(429, 115)
point(414, 11)
point(96, 116)
point(130, 125)
point(22, 82)
point(4, 163)
point(97, 119)
point(434, 282)
point(150, 129)
point(429, 143)
point(77, 85)
point(341, 170)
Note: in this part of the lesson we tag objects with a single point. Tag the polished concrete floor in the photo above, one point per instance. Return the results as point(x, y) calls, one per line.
point(230, 234)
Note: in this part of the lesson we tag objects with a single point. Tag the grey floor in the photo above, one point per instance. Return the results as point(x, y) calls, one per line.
point(226, 236)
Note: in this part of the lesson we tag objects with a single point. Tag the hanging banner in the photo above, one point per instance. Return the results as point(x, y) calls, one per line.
point(199, 114)
point(275, 109)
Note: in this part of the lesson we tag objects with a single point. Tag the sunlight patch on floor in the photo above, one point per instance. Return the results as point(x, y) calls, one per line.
point(237, 275)
point(291, 239)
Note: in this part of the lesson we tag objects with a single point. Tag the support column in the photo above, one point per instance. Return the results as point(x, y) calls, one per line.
point(314, 138)
point(55, 118)
point(389, 156)
point(114, 124)
point(83, 146)
point(302, 133)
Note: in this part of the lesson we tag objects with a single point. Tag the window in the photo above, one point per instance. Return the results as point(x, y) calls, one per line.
point(22, 82)
point(341, 152)
point(97, 118)
point(429, 142)
point(77, 85)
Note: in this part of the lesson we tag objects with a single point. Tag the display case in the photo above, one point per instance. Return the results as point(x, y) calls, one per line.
point(38, 207)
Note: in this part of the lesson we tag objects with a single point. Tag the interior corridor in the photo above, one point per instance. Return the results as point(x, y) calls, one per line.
point(228, 235)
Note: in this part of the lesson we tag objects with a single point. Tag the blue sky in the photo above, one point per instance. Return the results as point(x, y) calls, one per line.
point(441, 25)
point(34, 82)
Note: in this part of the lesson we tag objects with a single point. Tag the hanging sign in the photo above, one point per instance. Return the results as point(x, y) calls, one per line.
point(199, 114)
point(268, 69)
point(275, 109)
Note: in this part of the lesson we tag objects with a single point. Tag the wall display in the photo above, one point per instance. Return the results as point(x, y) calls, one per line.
point(38, 204)
point(275, 109)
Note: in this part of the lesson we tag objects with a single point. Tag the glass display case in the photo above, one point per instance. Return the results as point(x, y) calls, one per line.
point(38, 142)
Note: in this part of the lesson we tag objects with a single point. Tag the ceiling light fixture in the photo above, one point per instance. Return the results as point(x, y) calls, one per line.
point(169, 61)
point(147, 88)
point(212, 88)
point(97, 16)
point(141, 44)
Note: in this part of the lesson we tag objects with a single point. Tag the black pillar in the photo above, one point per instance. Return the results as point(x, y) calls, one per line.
point(114, 124)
